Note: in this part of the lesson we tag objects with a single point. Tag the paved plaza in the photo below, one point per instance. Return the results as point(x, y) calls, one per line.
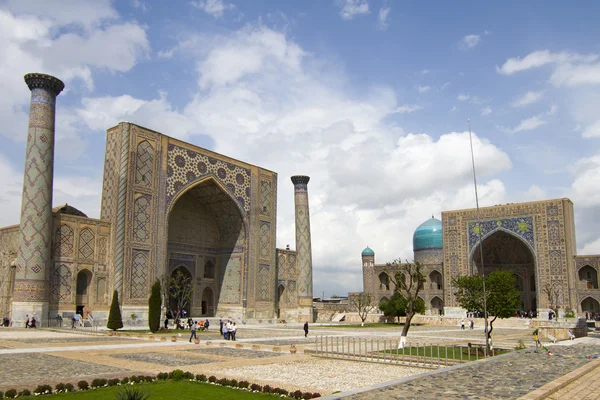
point(262, 355)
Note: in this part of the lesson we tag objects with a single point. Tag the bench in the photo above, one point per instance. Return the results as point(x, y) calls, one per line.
point(571, 335)
point(552, 338)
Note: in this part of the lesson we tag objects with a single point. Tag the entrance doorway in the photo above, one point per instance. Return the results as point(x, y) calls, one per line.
point(84, 279)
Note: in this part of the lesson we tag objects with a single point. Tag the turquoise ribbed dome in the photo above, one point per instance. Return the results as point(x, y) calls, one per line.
point(428, 235)
point(368, 252)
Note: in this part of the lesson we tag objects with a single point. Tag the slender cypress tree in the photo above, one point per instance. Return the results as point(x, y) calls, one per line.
point(154, 306)
point(115, 321)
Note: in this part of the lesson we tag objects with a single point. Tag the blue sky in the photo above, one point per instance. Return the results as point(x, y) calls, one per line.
point(370, 98)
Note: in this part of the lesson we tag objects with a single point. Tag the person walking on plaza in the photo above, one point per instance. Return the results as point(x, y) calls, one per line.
point(27, 321)
point(221, 326)
point(232, 332)
point(462, 324)
point(306, 329)
point(194, 328)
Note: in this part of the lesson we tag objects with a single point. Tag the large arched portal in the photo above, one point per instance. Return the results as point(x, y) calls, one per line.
point(505, 251)
point(84, 280)
point(206, 235)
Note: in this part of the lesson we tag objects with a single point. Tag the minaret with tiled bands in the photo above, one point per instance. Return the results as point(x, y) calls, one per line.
point(303, 249)
point(35, 241)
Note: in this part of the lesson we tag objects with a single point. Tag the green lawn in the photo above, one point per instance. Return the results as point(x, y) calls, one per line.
point(170, 390)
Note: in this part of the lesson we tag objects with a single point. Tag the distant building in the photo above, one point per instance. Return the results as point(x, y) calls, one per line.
point(535, 240)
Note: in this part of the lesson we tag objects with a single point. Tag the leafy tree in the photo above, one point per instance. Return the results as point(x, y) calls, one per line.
point(154, 307)
point(408, 280)
point(396, 306)
point(177, 292)
point(502, 297)
point(115, 321)
point(363, 302)
point(552, 292)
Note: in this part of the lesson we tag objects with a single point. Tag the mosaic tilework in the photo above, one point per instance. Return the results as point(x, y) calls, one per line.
point(110, 183)
point(63, 241)
point(144, 163)
point(291, 265)
point(265, 197)
point(303, 240)
point(522, 227)
point(139, 274)
point(265, 248)
point(291, 294)
point(141, 219)
point(553, 233)
point(36, 206)
point(232, 285)
point(62, 279)
point(101, 297)
point(186, 166)
point(263, 283)
point(121, 207)
point(102, 249)
point(86, 244)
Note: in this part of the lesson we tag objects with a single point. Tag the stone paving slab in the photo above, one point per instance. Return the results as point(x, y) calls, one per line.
point(164, 359)
point(283, 342)
point(88, 339)
point(236, 353)
point(509, 376)
point(21, 368)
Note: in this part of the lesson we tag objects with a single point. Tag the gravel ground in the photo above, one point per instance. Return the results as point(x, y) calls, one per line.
point(164, 359)
point(324, 375)
point(236, 353)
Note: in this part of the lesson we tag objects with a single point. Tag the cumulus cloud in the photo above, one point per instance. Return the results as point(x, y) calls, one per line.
point(529, 124)
point(423, 89)
point(351, 8)
point(586, 173)
point(216, 8)
point(528, 98)
point(384, 13)
point(592, 131)
point(469, 41)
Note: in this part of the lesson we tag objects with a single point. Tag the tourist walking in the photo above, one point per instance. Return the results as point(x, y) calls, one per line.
point(33, 322)
point(306, 329)
point(462, 324)
point(27, 321)
point(221, 326)
point(233, 331)
point(194, 328)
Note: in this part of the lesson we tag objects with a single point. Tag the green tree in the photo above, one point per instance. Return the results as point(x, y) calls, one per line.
point(363, 302)
point(408, 279)
point(502, 297)
point(115, 321)
point(177, 292)
point(396, 306)
point(154, 307)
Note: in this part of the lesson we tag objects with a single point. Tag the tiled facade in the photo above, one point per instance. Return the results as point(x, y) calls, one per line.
point(166, 205)
point(536, 240)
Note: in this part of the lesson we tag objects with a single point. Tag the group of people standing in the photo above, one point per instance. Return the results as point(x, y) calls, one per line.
point(227, 329)
point(469, 322)
point(30, 323)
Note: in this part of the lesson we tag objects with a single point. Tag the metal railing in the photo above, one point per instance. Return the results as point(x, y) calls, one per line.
point(387, 351)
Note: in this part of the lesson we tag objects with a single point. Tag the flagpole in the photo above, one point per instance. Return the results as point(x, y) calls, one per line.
point(485, 316)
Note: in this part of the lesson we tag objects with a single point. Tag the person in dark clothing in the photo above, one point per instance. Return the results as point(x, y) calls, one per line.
point(306, 329)
point(166, 323)
point(33, 322)
point(221, 326)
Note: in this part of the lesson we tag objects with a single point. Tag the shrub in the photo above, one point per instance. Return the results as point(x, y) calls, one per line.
point(113, 382)
point(10, 393)
point(256, 386)
point(307, 395)
point(125, 381)
point(177, 375)
point(132, 393)
point(99, 382)
point(234, 382)
point(188, 375)
point(154, 306)
point(1, 395)
point(162, 376)
point(148, 378)
point(83, 385)
point(212, 379)
point(69, 387)
point(41, 389)
point(136, 379)
point(243, 384)
point(297, 394)
point(267, 389)
point(115, 321)
point(316, 395)
point(201, 378)
point(24, 392)
point(59, 387)
point(569, 313)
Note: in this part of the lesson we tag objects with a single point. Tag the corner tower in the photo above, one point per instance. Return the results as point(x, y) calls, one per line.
point(303, 248)
point(368, 263)
point(30, 294)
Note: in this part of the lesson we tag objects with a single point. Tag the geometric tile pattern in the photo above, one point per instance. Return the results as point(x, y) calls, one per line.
point(291, 294)
point(102, 249)
point(63, 241)
point(144, 161)
point(86, 244)
point(265, 197)
point(265, 248)
point(139, 274)
point(110, 183)
point(303, 245)
point(231, 289)
point(522, 227)
point(186, 166)
point(101, 291)
point(61, 283)
point(141, 219)
point(263, 283)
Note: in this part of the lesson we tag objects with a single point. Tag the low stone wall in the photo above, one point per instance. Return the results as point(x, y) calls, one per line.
point(560, 333)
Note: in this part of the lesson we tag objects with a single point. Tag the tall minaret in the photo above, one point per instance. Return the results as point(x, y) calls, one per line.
point(303, 249)
point(35, 232)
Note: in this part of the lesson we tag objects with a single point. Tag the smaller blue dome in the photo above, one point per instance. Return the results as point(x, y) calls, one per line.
point(428, 235)
point(368, 252)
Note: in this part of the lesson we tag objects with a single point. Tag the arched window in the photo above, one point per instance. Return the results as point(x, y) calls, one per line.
point(518, 283)
point(209, 269)
point(588, 277)
point(532, 283)
point(384, 281)
point(436, 280)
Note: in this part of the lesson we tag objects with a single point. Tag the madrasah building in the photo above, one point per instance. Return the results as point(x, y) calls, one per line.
point(535, 240)
point(167, 206)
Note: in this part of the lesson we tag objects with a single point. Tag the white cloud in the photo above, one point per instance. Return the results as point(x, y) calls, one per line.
point(575, 75)
point(469, 41)
point(529, 124)
point(528, 98)
point(463, 97)
point(352, 8)
point(423, 89)
point(540, 58)
point(534, 193)
point(383, 15)
point(583, 190)
point(408, 108)
point(142, 5)
point(486, 111)
point(216, 8)
point(592, 131)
